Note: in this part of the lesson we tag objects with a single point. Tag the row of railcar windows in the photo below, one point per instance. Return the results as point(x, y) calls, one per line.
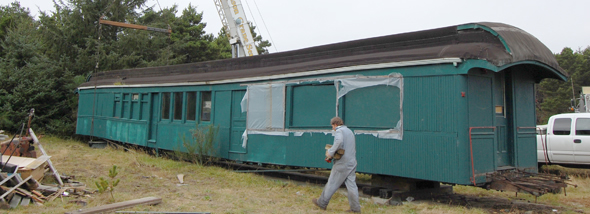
point(173, 101)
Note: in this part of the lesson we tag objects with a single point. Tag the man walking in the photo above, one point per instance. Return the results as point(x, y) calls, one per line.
point(343, 170)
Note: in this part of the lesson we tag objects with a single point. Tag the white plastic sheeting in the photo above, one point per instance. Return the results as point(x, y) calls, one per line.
point(244, 103)
point(246, 133)
point(266, 107)
point(395, 133)
point(265, 104)
point(394, 79)
point(347, 85)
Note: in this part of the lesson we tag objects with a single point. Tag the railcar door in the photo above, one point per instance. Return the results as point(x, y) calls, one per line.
point(153, 119)
point(481, 121)
point(523, 119)
point(237, 126)
point(503, 151)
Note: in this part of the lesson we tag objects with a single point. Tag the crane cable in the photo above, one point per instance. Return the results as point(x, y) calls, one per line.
point(263, 22)
point(99, 34)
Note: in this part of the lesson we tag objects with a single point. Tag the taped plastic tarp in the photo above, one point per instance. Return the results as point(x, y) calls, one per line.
point(347, 85)
point(394, 79)
point(244, 103)
point(266, 107)
point(247, 132)
point(395, 133)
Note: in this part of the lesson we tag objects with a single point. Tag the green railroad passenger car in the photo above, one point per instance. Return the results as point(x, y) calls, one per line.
point(450, 105)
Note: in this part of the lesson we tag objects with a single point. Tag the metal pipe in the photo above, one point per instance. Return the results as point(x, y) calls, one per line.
point(133, 26)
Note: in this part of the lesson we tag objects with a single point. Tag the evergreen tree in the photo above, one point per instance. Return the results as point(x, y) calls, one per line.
point(30, 79)
point(553, 96)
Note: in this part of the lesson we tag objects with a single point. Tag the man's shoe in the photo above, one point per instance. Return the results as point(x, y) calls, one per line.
point(315, 201)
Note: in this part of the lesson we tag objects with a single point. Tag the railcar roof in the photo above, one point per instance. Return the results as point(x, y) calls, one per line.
point(500, 44)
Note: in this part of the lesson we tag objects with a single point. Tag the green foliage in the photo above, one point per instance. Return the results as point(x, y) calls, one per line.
point(263, 45)
point(105, 185)
point(201, 148)
point(553, 96)
point(43, 61)
point(9, 18)
point(30, 79)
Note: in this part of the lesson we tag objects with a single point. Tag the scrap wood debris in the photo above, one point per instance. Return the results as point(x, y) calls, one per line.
point(531, 183)
point(22, 173)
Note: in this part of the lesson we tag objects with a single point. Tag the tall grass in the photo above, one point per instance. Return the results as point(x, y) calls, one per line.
point(200, 149)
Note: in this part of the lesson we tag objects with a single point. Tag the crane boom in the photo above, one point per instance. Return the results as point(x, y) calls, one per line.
point(234, 21)
point(140, 27)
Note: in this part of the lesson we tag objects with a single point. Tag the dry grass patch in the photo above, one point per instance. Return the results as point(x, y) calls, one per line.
point(213, 189)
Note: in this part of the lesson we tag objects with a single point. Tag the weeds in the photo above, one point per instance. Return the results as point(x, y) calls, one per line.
point(103, 185)
point(201, 148)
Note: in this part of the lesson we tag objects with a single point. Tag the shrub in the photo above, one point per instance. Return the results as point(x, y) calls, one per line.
point(200, 149)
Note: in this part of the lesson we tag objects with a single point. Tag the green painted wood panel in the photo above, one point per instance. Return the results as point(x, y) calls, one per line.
point(372, 107)
point(238, 124)
point(524, 118)
point(481, 114)
point(431, 103)
point(312, 106)
point(222, 115)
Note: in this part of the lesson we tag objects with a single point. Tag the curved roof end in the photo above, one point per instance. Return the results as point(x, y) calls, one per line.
point(520, 45)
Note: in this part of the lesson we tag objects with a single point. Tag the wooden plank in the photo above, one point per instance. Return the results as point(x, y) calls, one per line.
point(15, 201)
point(38, 194)
point(56, 194)
point(7, 178)
point(46, 188)
point(38, 162)
point(55, 173)
point(14, 188)
point(161, 212)
point(19, 161)
point(26, 201)
point(29, 195)
point(118, 206)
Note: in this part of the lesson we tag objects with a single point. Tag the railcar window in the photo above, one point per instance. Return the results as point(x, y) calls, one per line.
point(191, 105)
point(126, 107)
point(117, 112)
point(206, 106)
point(144, 106)
point(166, 106)
point(313, 105)
point(562, 126)
point(178, 105)
point(583, 126)
point(372, 107)
point(135, 97)
point(266, 107)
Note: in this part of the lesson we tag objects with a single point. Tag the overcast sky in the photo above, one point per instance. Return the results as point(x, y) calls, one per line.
point(299, 24)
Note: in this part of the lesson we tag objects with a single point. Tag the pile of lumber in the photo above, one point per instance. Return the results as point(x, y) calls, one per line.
point(17, 191)
point(530, 183)
point(21, 174)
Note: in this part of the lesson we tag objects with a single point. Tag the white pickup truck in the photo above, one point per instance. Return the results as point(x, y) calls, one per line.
point(565, 139)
